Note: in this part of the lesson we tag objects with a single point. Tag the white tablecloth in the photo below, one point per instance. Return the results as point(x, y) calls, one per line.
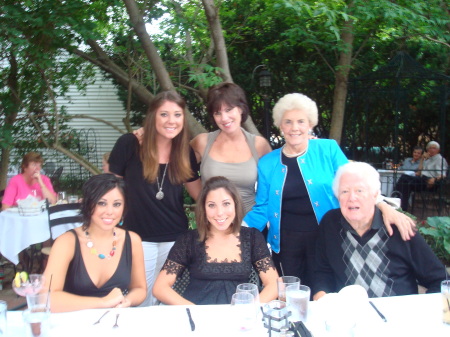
point(388, 179)
point(416, 315)
point(18, 232)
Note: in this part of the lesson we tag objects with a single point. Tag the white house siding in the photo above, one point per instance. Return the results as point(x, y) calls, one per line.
point(100, 100)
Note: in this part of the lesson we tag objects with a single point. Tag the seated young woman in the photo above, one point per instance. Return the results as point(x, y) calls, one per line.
point(97, 265)
point(219, 254)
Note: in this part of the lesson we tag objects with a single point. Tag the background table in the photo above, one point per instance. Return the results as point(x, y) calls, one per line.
point(416, 315)
point(18, 232)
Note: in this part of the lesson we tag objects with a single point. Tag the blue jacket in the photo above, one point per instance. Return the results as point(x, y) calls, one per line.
point(318, 167)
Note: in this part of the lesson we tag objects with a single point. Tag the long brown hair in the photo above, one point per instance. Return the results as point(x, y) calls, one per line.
point(212, 184)
point(179, 168)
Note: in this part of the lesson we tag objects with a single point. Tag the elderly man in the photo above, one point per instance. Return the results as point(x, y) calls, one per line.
point(432, 167)
point(355, 248)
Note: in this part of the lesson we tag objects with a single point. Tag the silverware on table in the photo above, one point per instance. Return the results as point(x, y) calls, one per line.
point(191, 321)
point(115, 324)
point(378, 311)
point(101, 317)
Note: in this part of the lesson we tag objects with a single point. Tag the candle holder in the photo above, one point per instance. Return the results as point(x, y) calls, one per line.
point(275, 316)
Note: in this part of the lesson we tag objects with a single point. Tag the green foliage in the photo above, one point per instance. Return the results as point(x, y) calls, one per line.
point(72, 184)
point(190, 213)
point(436, 231)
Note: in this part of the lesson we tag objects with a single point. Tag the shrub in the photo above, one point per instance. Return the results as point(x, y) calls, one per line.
point(436, 231)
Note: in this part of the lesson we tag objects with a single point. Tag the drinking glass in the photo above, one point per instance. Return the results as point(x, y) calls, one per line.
point(61, 197)
point(285, 281)
point(3, 309)
point(445, 291)
point(39, 302)
point(243, 308)
point(297, 298)
point(73, 199)
point(37, 323)
point(252, 289)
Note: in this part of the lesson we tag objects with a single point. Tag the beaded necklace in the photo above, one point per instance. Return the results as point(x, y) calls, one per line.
point(93, 250)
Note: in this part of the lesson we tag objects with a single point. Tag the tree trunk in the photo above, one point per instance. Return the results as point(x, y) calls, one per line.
point(212, 14)
point(150, 50)
point(11, 116)
point(341, 82)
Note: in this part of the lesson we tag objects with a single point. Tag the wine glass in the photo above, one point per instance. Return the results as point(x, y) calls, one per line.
point(243, 307)
point(28, 284)
point(252, 289)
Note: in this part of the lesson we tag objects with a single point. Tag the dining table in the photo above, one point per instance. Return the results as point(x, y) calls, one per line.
point(413, 315)
point(18, 232)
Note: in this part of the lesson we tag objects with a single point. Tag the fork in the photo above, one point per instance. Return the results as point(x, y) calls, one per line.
point(116, 325)
point(101, 317)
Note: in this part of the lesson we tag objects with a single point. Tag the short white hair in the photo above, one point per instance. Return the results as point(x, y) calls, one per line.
point(295, 101)
point(433, 143)
point(371, 176)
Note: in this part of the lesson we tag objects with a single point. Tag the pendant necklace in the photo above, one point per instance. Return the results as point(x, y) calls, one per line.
point(160, 193)
point(93, 250)
point(293, 155)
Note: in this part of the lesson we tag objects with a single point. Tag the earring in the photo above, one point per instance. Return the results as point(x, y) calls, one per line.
point(121, 222)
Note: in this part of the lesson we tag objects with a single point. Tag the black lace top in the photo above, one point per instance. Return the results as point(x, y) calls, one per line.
point(213, 282)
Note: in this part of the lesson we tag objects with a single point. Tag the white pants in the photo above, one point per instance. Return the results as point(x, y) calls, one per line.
point(155, 254)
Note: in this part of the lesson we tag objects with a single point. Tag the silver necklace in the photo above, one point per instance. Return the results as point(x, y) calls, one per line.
point(293, 155)
point(160, 193)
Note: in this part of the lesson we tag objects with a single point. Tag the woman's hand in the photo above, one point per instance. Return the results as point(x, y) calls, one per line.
point(139, 133)
point(406, 226)
point(114, 298)
point(124, 304)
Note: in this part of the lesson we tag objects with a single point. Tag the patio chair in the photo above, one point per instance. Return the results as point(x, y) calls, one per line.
point(62, 218)
point(435, 199)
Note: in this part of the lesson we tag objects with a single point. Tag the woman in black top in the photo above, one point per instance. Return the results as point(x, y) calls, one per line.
point(219, 255)
point(155, 172)
point(97, 265)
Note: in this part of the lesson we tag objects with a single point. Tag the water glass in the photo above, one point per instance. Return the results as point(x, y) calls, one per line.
point(445, 291)
point(37, 322)
point(285, 281)
point(73, 199)
point(297, 299)
point(243, 307)
point(39, 302)
point(61, 198)
point(252, 289)
point(3, 310)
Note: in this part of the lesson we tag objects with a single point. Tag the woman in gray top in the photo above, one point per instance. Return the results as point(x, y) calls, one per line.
point(230, 151)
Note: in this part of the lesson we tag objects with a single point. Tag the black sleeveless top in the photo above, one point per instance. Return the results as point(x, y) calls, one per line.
point(78, 281)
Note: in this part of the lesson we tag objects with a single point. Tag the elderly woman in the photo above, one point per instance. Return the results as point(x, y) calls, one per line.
point(294, 189)
point(219, 254)
point(355, 248)
point(29, 182)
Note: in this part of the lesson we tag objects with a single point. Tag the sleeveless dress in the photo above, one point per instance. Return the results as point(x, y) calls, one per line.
point(243, 175)
point(78, 281)
point(213, 282)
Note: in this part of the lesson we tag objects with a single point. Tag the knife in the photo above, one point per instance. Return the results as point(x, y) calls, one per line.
point(191, 322)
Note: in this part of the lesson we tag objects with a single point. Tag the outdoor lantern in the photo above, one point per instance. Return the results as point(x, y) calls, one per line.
point(265, 78)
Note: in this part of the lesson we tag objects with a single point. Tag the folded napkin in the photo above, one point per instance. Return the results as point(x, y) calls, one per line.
point(30, 206)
